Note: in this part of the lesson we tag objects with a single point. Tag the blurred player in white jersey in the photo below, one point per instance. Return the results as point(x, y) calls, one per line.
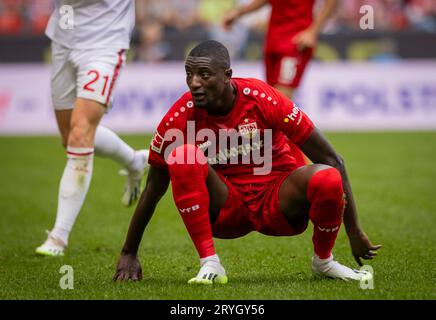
point(89, 43)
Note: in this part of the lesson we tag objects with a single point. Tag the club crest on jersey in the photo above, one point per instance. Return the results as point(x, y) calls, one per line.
point(157, 142)
point(248, 130)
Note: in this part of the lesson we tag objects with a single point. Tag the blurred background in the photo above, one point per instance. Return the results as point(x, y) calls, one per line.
point(384, 78)
point(166, 29)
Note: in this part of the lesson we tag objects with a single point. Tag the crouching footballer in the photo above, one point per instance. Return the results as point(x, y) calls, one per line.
point(208, 146)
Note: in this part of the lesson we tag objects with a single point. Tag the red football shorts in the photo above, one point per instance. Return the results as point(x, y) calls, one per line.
point(286, 69)
point(254, 208)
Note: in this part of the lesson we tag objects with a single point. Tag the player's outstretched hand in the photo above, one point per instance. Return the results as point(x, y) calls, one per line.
point(128, 268)
point(362, 247)
point(305, 39)
point(229, 19)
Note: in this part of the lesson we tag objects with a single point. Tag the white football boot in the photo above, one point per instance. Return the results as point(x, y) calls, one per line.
point(52, 247)
point(132, 189)
point(332, 269)
point(210, 272)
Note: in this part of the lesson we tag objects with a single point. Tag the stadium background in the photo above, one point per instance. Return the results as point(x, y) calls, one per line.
point(372, 91)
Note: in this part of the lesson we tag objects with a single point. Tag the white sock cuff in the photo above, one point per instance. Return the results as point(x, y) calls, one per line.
point(75, 153)
point(213, 258)
point(317, 259)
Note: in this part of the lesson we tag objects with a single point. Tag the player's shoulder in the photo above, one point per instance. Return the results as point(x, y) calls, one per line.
point(257, 91)
point(249, 84)
point(179, 113)
point(175, 119)
point(253, 87)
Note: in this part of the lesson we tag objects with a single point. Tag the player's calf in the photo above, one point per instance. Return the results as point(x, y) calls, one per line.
point(188, 181)
point(326, 197)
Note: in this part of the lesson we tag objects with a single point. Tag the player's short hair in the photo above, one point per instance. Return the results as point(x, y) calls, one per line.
point(214, 50)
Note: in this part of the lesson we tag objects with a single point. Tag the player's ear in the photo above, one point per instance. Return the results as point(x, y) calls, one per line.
point(228, 72)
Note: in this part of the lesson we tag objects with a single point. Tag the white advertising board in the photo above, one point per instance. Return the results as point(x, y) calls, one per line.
point(337, 96)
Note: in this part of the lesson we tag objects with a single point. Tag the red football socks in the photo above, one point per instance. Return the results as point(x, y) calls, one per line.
point(326, 196)
point(188, 170)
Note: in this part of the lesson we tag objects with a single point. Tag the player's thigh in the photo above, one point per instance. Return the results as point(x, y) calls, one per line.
point(62, 78)
point(293, 192)
point(218, 191)
point(87, 114)
point(85, 118)
point(97, 73)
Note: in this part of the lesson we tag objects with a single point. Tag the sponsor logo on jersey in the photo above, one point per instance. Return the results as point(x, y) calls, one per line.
point(293, 115)
point(244, 150)
point(203, 146)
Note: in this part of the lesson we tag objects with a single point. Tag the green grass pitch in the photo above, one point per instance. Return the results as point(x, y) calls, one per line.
point(394, 181)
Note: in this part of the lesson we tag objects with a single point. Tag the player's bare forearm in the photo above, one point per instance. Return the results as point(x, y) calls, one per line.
point(324, 14)
point(252, 6)
point(156, 186)
point(238, 12)
point(351, 221)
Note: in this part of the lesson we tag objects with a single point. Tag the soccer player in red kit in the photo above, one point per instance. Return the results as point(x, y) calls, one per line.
point(222, 190)
point(290, 41)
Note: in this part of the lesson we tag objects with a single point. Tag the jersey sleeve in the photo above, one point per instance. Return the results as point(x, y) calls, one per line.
point(176, 118)
point(284, 115)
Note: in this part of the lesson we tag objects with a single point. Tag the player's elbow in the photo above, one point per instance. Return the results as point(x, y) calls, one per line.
point(336, 161)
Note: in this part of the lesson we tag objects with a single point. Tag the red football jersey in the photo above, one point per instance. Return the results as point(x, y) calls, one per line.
point(288, 17)
point(260, 118)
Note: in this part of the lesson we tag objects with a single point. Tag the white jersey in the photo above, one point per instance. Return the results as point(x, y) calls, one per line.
point(92, 24)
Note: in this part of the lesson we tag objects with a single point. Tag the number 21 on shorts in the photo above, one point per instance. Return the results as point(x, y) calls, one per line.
point(91, 85)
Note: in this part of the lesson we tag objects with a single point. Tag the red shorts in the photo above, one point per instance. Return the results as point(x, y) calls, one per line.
point(300, 158)
point(254, 208)
point(286, 69)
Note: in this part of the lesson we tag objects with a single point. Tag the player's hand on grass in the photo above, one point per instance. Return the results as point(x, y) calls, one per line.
point(128, 268)
point(361, 247)
point(305, 39)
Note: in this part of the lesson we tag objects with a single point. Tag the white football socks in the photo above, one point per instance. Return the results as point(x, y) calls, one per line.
point(78, 172)
point(72, 190)
point(110, 145)
point(213, 258)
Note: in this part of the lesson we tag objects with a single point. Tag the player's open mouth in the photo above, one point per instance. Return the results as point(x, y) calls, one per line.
point(199, 96)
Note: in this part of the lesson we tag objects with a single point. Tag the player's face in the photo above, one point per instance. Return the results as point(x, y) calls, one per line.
point(206, 81)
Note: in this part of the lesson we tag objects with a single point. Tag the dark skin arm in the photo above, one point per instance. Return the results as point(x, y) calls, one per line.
point(319, 150)
point(128, 264)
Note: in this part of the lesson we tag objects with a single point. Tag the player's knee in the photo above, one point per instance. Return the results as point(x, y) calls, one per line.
point(326, 185)
point(187, 160)
point(80, 134)
point(326, 197)
point(77, 137)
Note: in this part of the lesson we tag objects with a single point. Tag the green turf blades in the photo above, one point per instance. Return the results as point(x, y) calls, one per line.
point(392, 178)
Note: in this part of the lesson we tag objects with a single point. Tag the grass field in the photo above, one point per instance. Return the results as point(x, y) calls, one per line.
point(394, 181)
